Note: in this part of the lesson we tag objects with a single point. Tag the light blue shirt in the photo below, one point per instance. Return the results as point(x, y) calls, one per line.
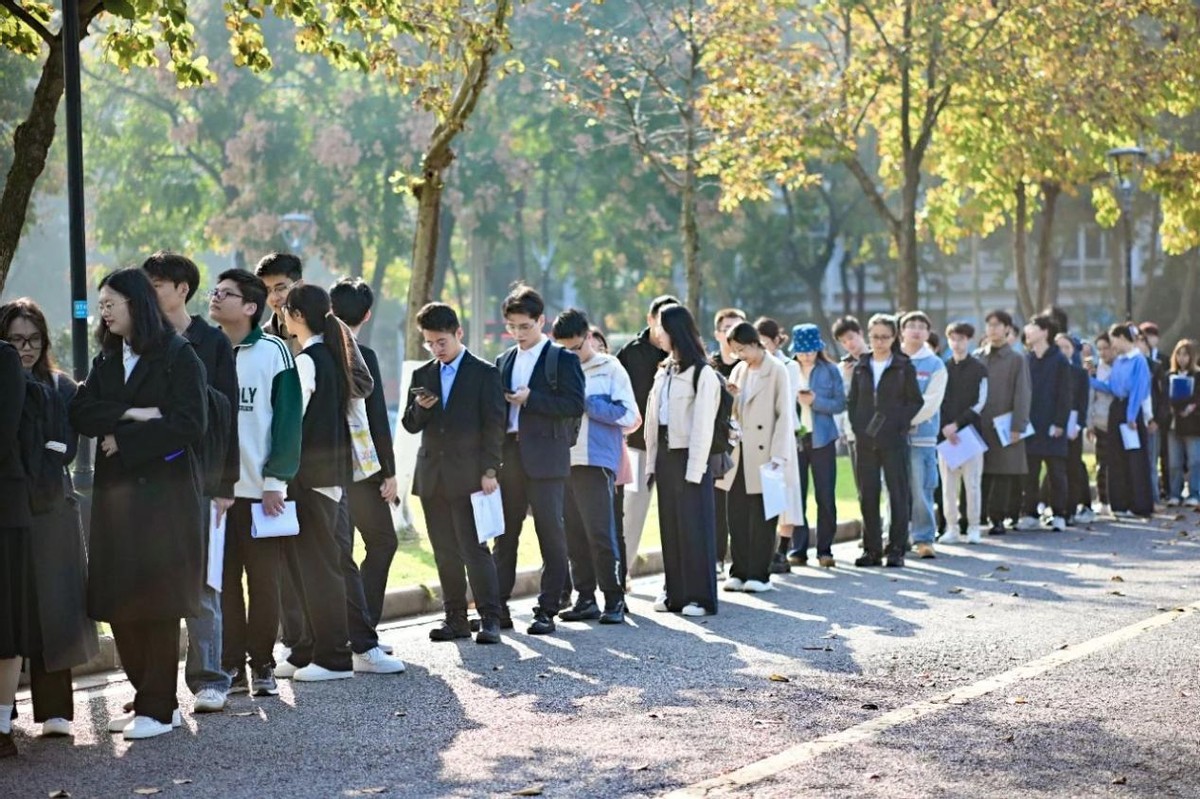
point(449, 372)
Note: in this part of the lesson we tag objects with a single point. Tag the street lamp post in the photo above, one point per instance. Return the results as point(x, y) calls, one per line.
point(1126, 169)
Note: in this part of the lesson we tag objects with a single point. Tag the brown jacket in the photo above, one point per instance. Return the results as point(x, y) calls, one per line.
point(1008, 391)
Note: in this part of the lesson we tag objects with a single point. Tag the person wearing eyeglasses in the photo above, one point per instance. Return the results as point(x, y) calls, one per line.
point(175, 279)
point(144, 400)
point(883, 399)
point(545, 402)
point(59, 635)
point(268, 415)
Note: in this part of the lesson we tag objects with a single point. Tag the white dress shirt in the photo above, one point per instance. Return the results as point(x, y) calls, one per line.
point(522, 371)
point(129, 358)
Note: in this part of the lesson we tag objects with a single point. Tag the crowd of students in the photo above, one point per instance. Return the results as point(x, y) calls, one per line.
point(274, 437)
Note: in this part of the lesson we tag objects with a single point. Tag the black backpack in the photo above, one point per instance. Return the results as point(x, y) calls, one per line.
point(214, 446)
point(573, 423)
point(43, 442)
point(723, 426)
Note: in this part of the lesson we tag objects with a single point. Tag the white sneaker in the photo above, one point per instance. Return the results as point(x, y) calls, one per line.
point(951, 537)
point(974, 535)
point(120, 723)
point(376, 661)
point(733, 584)
point(314, 673)
point(1192, 502)
point(1026, 523)
point(209, 700)
point(387, 648)
point(1173, 503)
point(56, 728)
point(660, 604)
point(1085, 516)
point(757, 587)
point(1058, 524)
point(1104, 510)
point(284, 670)
point(692, 609)
point(146, 727)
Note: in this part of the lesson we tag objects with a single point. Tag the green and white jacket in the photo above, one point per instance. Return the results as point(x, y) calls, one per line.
point(269, 414)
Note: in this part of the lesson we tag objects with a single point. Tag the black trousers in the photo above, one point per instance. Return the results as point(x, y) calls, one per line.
point(358, 614)
point(291, 607)
point(53, 696)
point(314, 560)
point(592, 533)
point(1002, 496)
point(1102, 446)
point(721, 503)
point(372, 517)
point(892, 460)
point(751, 537)
point(1128, 469)
point(1079, 492)
point(249, 632)
point(522, 493)
point(687, 518)
point(822, 463)
point(149, 652)
point(456, 547)
point(619, 523)
point(1056, 478)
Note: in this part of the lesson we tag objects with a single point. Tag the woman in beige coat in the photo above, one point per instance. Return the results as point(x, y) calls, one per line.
point(764, 406)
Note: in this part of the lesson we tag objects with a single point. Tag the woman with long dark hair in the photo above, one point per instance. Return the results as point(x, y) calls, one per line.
point(882, 401)
point(1128, 466)
point(60, 635)
point(314, 556)
point(145, 401)
point(1183, 439)
point(680, 414)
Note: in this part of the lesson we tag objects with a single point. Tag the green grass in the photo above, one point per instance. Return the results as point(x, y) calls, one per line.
point(413, 564)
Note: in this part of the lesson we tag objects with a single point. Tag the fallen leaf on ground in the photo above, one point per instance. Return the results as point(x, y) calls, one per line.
point(817, 648)
point(147, 791)
point(640, 767)
point(1119, 780)
point(532, 790)
point(1009, 739)
point(970, 615)
point(1018, 700)
point(1064, 646)
point(780, 677)
point(1117, 593)
point(1116, 578)
point(364, 791)
point(870, 706)
point(876, 777)
point(955, 590)
point(60, 795)
point(243, 713)
point(182, 782)
point(1014, 593)
point(497, 667)
point(400, 713)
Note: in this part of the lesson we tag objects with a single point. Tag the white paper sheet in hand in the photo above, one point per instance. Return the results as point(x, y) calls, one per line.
point(969, 446)
point(635, 468)
point(1073, 425)
point(489, 515)
point(264, 526)
point(774, 488)
point(1129, 437)
point(1003, 424)
point(216, 549)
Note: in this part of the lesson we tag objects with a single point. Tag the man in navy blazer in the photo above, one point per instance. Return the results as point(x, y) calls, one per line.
point(544, 386)
point(457, 406)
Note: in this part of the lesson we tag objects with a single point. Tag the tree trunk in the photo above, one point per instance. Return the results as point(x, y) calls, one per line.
point(1047, 265)
point(1020, 250)
point(445, 256)
point(31, 145)
point(908, 291)
point(691, 241)
point(424, 260)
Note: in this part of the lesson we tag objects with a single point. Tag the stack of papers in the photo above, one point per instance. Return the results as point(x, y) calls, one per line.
point(1004, 426)
point(774, 493)
point(489, 515)
point(970, 445)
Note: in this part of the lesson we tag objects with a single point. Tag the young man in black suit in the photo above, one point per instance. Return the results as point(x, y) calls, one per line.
point(457, 405)
point(545, 403)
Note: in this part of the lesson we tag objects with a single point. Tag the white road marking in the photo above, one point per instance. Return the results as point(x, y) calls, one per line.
point(736, 781)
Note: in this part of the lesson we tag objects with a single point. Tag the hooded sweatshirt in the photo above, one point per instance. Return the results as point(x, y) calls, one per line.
point(609, 410)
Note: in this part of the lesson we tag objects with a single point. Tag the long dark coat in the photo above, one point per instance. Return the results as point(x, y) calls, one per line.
point(146, 547)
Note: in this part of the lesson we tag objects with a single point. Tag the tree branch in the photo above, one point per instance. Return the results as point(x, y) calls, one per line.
point(872, 192)
point(30, 20)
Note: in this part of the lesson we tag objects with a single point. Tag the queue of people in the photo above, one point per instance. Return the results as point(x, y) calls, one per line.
point(235, 461)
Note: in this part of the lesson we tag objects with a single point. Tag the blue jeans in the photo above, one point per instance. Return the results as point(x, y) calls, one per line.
point(1184, 453)
point(923, 481)
point(202, 668)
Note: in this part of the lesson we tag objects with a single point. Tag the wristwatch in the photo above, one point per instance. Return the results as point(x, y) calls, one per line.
point(490, 473)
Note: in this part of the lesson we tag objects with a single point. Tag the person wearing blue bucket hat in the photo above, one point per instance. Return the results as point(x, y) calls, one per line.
point(820, 396)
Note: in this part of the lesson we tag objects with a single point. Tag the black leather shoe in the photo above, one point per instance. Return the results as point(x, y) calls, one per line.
point(489, 632)
point(780, 564)
point(505, 622)
point(584, 610)
point(895, 561)
point(543, 623)
point(449, 631)
point(7, 747)
point(868, 560)
point(614, 612)
point(997, 529)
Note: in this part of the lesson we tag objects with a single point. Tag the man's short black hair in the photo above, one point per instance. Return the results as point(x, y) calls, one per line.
point(1045, 322)
point(523, 300)
point(1059, 317)
point(351, 298)
point(915, 316)
point(438, 317)
point(280, 263)
point(251, 287)
point(1002, 316)
point(965, 329)
point(844, 325)
point(166, 265)
point(662, 300)
point(571, 323)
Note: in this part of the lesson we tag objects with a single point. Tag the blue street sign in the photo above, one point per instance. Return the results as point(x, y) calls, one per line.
point(81, 309)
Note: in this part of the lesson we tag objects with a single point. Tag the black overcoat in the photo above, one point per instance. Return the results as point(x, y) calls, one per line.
point(146, 546)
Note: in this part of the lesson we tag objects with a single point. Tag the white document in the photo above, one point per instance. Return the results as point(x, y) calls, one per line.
point(489, 515)
point(1003, 424)
point(774, 493)
point(1073, 425)
point(1129, 437)
point(635, 468)
point(969, 446)
point(264, 526)
point(216, 549)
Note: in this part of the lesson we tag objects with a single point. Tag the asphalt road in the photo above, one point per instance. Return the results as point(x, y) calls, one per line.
point(1038, 664)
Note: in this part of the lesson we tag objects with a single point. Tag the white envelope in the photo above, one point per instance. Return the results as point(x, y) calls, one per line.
point(489, 515)
point(774, 494)
point(264, 526)
point(1073, 425)
point(969, 446)
point(1129, 437)
point(1003, 424)
point(216, 549)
